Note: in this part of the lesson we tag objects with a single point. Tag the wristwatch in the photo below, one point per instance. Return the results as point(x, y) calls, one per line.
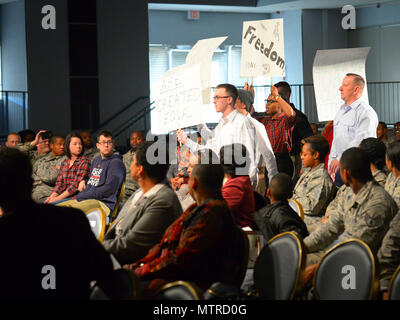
point(276, 97)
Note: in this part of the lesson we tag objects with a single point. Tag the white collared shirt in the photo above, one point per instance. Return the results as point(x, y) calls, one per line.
point(235, 128)
point(352, 124)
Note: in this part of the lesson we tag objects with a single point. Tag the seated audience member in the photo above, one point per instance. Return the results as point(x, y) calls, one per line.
point(107, 173)
point(365, 216)
point(389, 254)
point(74, 169)
point(177, 173)
point(237, 189)
point(381, 133)
point(41, 143)
point(396, 133)
point(183, 194)
point(278, 216)
point(203, 245)
point(147, 213)
point(91, 151)
point(314, 189)
point(392, 185)
point(13, 139)
point(55, 255)
point(136, 139)
point(376, 152)
point(27, 135)
point(46, 169)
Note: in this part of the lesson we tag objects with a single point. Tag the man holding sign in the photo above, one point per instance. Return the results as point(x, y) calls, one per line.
point(232, 128)
point(354, 122)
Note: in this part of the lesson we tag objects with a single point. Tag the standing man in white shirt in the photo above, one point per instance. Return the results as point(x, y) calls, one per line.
point(355, 121)
point(232, 128)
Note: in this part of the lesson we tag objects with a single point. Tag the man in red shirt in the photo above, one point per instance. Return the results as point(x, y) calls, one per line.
point(279, 122)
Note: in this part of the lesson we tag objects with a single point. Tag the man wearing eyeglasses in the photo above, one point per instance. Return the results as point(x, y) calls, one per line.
point(232, 128)
point(107, 173)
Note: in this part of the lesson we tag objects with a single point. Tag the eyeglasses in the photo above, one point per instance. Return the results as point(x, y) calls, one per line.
point(220, 97)
point(105, 143)
point(270, 101)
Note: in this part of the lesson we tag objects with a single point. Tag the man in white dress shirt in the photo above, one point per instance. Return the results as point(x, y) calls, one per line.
point(232, 128)
point(355, 121)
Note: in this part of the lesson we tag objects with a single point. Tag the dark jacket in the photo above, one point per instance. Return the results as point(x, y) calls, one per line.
point(106, 178)
point(277, 218)
point(301, 130)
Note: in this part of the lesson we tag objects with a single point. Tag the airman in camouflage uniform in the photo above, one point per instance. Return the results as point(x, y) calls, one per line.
point(91, 153)
point(365, 216)
point(130, 185)
point(392, 186)
point(45, 172)
point(136, 138)
point(314, 190)
point(379, 176)
point(389, 253)
point(31, 152)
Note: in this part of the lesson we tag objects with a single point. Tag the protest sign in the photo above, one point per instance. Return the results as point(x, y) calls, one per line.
point(329, 69)
point(262, 49)
point(202, 53)
point(178, 100)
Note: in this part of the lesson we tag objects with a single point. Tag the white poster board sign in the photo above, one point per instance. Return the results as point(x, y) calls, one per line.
point(202, 53)
point(329, 69)
point(262, 49)
point(178, 100)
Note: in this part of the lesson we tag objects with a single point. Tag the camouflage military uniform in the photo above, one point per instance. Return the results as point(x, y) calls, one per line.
point(365, 216)
point(389, 253)
point(392, 186)
point(31, 152)
point(314, 190)
point(380, 177)
point(91, 153)
point(130, 185)
point(45, 172)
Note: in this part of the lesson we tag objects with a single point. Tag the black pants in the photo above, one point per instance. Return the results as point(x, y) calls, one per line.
point(284, 163)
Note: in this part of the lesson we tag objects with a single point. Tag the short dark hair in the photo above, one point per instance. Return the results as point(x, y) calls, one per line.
point(210, 177)
point(376, 150)
point(231, 90)
point(393, 154)
point(281, 186)
point(104, 133)
point(54, 138)
point(383, 124)
point(285, 88)
point(24, 134)
point(234, 157)
point(356, 161)
point(68, 141)
point(318, 144)
point(156, 171)
point(16, 177)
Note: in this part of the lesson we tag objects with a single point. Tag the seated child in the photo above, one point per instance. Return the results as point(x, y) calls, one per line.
point(278, 216)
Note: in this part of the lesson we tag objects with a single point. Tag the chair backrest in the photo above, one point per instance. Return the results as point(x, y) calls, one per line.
point(97, 221)
point(394, 285)
point(346, 272)
point(296, 206)
point(179, 290)
point(256, 242)
point(120, 197)
point(278, 267)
